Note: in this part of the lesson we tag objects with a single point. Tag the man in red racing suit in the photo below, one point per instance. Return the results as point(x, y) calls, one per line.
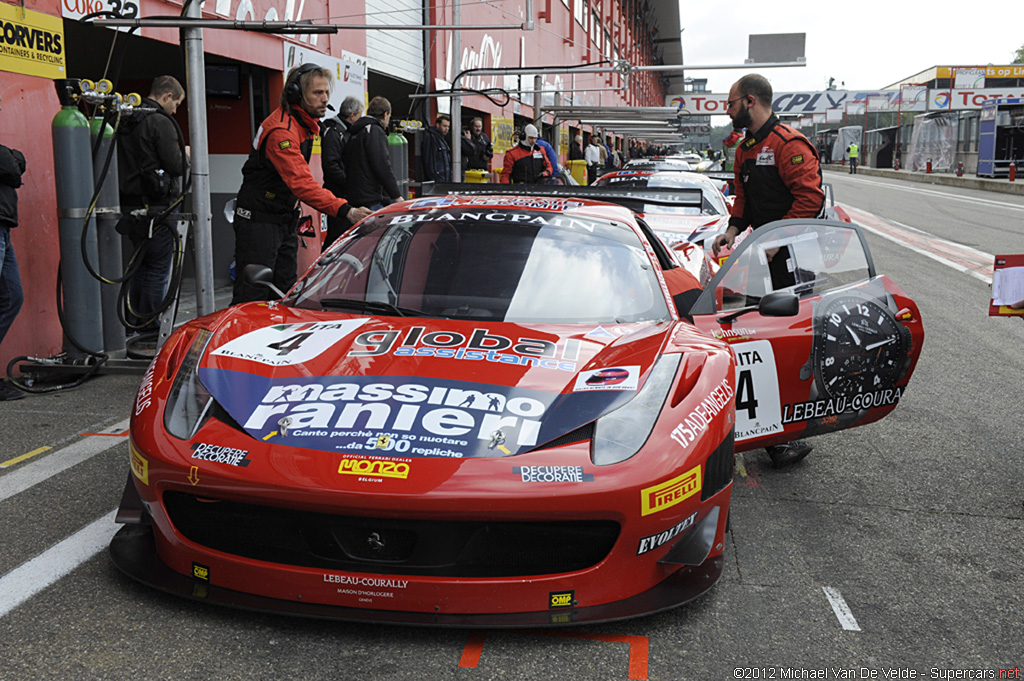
point(777, 177)
point(276, 177)
point(526, 163)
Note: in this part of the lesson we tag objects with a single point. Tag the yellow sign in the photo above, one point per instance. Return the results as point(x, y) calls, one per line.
point(669, 493)
point(374, 468)
point(501, 136)
point(31, 43)
point(563, 141)
point(140, 467)
point(1008, 71)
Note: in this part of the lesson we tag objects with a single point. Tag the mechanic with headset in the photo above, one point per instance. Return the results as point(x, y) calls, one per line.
point(526, 163)
point(777, 177)
point(276, 177)
point(151, 163)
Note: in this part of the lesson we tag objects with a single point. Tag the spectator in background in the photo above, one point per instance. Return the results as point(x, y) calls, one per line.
point(483, 151)
point(151, 163)
point(12, 167)
point(593, 157)
point(332, 142)
point(435, 153)
point(552, 156)
point(371, 180)
point(576, 149)
point(526, 163)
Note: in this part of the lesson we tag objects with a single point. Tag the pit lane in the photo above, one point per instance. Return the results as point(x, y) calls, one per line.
point(915, 521)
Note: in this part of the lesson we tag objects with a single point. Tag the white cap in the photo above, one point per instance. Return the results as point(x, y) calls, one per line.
point(530, 131)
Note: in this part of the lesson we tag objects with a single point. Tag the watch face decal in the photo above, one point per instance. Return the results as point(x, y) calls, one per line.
point(860, 348)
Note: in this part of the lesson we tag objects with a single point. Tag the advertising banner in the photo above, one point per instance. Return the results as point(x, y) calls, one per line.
point(348, 75)
point(31, 43)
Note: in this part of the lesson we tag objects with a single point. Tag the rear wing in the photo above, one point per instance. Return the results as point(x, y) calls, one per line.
point(633, 199)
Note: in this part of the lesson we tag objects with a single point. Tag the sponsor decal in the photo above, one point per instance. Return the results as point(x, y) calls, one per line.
point(728, 335)
point(285, 144)
point(698, 420)
point(797, 160)
point(561, 599)
point(490, 215)
point(243, 213)
point(142, 399)
point(669, 493)
point(655, 540)
point(479, 346)
point(612, 378)
point(600, 333)
point(220, 454)
point(140, 466)
point(552, 474)
point(201, 572)
point(562, 617)
point(288, 344)
point(821, 409)
point(376, 582)
point(31, 43)
point(379, 468)
point(766, 157)
point(434, 202)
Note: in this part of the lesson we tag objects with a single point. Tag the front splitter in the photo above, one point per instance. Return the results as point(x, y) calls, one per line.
point(133, 550)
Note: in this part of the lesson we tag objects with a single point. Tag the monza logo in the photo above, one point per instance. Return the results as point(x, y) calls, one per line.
point(669, 493)
point(374, 468)
point(561, 599)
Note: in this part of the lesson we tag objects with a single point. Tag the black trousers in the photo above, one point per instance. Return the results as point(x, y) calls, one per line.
point(275, 245)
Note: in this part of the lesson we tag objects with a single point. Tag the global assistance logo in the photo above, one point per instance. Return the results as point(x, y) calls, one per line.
point(669, 493)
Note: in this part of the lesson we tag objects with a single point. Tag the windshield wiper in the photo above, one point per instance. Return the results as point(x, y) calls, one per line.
point(371, 306)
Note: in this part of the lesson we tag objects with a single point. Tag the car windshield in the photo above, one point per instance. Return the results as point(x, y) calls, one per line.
point(490, 263)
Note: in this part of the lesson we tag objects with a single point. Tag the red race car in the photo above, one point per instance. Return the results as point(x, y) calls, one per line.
point(487, 411)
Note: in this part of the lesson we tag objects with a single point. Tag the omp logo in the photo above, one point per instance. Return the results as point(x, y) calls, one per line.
point(379, 469)
point(670, 492)
point(140, 467)
point(201, 572)
point(561, 599)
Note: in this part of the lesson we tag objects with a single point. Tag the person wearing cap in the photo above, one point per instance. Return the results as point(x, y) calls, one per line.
point(526, 163)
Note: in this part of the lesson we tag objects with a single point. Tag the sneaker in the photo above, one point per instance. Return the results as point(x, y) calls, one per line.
point(789, 453)
point(8, 392)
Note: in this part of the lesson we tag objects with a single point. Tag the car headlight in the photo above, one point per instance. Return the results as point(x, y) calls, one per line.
point(188, 401)
point(621, 433)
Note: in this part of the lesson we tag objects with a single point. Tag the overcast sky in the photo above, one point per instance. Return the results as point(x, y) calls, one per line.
point(867, 43)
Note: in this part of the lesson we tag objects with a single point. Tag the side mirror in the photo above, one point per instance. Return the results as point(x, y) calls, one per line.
point(255, 274)
point(779, 304)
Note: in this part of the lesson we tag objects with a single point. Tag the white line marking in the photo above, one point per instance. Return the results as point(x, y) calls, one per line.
point(28, 579)
point(57, 462)
point(920, 251)
point(841, 609)
point(944, 195)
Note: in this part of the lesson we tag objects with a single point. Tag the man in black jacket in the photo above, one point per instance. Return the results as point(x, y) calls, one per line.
point(332, 142)
point(12, 167)
point(151, 165)
point(483, 150)
point(370, 180)
point(436, 155)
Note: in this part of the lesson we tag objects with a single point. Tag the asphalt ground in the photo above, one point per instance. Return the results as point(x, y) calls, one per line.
point(915, 523)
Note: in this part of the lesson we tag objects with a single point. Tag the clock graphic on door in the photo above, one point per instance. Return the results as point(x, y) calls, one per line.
point(859, 347)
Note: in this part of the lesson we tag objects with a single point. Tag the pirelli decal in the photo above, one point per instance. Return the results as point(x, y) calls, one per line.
point(797, 160)
point(285, 144)
point(140, 466)
point(669, 493)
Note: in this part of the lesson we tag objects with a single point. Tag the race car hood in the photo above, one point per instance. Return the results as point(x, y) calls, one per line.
point(458, 388)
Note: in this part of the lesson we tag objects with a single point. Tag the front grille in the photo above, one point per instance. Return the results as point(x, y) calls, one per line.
point(718, 470)
point(390, 546)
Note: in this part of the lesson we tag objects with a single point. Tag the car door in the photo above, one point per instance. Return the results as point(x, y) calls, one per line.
point(821, 341)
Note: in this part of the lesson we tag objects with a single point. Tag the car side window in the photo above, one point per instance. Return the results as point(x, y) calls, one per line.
point(806, 257)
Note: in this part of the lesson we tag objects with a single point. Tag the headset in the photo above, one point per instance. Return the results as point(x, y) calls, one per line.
point(293, 88)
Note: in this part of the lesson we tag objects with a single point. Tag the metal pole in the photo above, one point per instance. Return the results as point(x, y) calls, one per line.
point(195, 74)
point(456, 58)
point(538, 100)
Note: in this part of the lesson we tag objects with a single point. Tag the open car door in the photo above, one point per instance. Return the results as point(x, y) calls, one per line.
point(822, 343)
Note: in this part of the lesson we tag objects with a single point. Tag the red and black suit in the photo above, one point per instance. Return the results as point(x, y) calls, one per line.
point(523, 165)
point(275, 178)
